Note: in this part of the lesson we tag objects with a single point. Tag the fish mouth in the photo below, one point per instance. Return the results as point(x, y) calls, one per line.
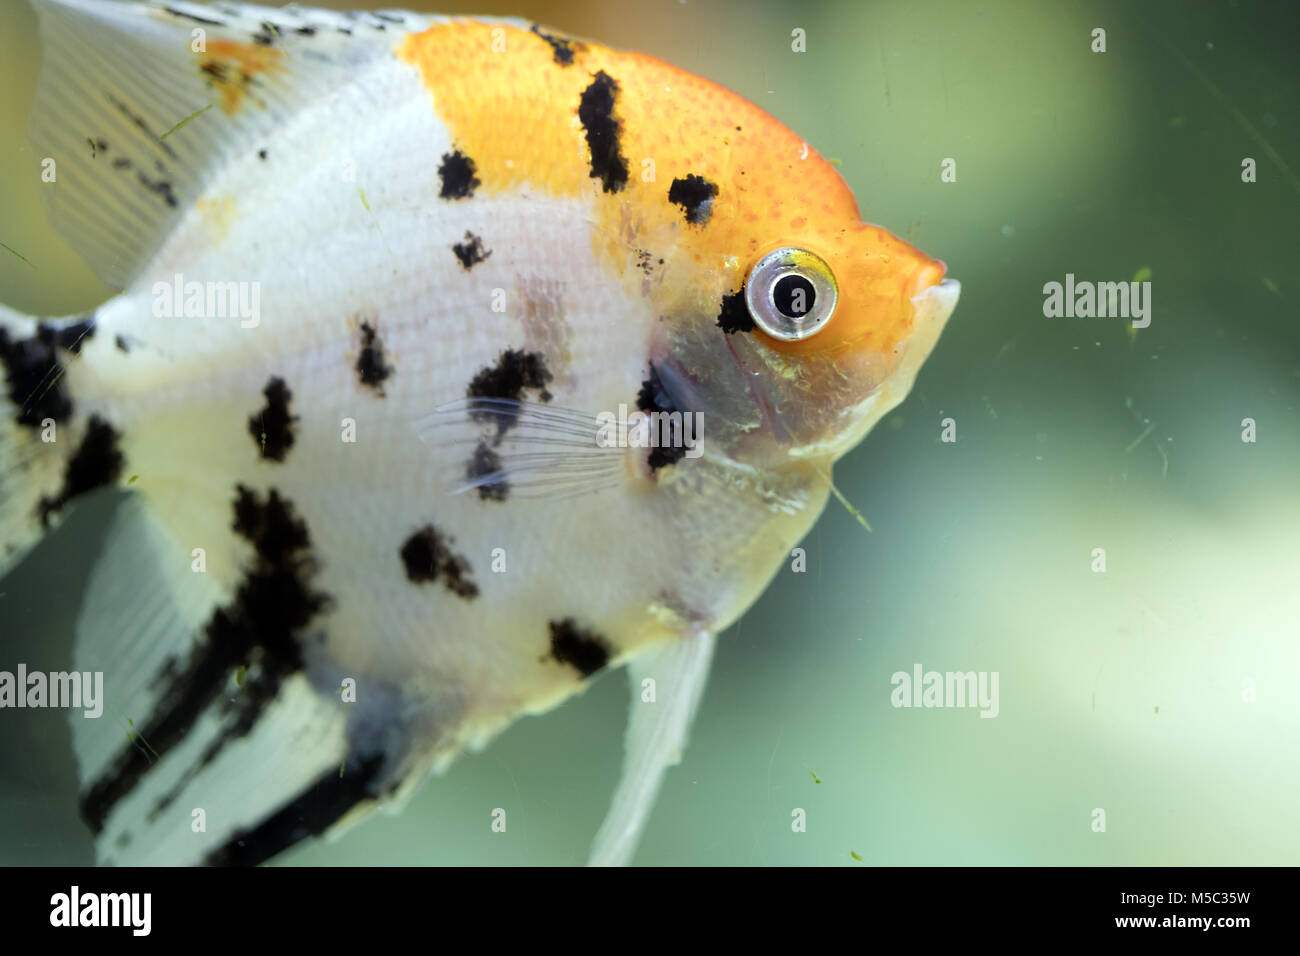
point(934, 302)
point(932, 293)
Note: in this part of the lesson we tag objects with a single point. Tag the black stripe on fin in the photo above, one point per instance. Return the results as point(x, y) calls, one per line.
point(258, 630)
point(312, 813)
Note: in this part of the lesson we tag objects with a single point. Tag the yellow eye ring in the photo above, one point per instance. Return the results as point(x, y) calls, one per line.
point(791, 293)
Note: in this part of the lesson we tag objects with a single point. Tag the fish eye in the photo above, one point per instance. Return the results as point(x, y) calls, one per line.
point(791, 293)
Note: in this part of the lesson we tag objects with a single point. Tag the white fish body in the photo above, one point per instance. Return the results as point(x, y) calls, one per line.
point(315, 667)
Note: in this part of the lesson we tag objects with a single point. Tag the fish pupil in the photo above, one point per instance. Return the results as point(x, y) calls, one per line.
point(793, 296)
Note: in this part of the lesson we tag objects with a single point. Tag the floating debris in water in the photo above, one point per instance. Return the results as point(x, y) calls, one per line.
point(18, 254)
point(132, 738)
point(845, 502)
point(193, 115)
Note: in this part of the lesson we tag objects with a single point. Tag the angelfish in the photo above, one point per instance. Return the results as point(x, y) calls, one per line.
point(381, 276)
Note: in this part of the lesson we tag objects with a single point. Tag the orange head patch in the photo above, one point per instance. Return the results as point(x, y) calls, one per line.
point(708, 184)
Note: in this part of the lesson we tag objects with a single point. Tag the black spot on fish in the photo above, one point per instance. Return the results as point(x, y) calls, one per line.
point(457, 176)
point(122, 345)
point(311, 813)
point(483, 462)
point(734, 315)
point(96, 462)
point(585, 650)
point(652, 399)
point(35, 378)
point(596, 112)
point(562, 48)
point(282, 545)
point(257, 630)
point(387, 17)
point(72, 335)
point(427, 556)
point(471, 251)
point(159, 187)
point(306, 31)
point(228, 80)
point(261, 154)
point(695, 195)
point(141, 125)
point(35, 374)
point(370, 364)
point(514, 372)
point(646, 262)
point(268, 35)
point(190, 16)
point(272, 427)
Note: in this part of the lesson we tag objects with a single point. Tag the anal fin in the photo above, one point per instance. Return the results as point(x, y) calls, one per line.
point(203, 754)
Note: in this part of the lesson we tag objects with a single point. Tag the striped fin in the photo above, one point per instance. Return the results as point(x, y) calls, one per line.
point(140, 105)
point(195, 710)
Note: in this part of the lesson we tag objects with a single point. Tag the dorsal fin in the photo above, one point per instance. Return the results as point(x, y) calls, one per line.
point(118, 80)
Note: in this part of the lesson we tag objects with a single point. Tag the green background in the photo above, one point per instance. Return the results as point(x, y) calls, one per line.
point(1121, 690)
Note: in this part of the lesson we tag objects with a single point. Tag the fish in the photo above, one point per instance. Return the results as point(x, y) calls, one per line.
point(455, 362)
